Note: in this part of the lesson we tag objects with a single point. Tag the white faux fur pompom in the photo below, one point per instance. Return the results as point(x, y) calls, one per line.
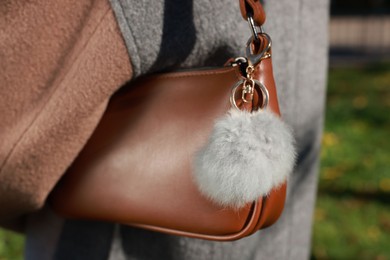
point(247, 155)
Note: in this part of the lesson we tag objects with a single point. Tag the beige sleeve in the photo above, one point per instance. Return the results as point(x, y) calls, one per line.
point(60, 61)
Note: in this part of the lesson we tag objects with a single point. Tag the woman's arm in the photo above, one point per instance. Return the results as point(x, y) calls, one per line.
point(60, 63)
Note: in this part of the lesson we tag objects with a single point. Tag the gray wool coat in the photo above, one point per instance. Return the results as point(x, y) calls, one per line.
point(184, 33)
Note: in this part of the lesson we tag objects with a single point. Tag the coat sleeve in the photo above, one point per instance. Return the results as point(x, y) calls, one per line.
point(60, 61)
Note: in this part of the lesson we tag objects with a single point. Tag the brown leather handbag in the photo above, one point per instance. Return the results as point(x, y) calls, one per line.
point(136, 168)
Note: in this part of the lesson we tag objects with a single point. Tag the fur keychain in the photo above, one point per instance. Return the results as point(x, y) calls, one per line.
point(247, 155)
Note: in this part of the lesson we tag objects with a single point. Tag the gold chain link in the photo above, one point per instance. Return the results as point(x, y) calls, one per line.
point(248, 85)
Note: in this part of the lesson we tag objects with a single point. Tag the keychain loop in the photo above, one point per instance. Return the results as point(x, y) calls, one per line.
point(257, 85)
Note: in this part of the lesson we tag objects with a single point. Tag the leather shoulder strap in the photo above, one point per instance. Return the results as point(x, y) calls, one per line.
point(253, 8)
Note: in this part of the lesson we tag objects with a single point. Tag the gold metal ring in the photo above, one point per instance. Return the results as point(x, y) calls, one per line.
point(258, 85)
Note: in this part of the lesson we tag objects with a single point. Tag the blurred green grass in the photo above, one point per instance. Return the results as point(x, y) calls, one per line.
point(352, 216)
point(11, 245)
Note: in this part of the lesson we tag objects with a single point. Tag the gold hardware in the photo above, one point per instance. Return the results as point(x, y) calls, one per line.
point(266, 56)
point(248, 89)
point(248, 85)
point(249, 71)
point(257, 85)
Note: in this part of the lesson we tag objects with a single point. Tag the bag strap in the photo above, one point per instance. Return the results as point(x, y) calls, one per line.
point(254, 9)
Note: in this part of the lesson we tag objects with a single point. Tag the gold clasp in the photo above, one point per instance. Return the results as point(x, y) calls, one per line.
point(248, 90)
point(249, 85)
point(257, 85)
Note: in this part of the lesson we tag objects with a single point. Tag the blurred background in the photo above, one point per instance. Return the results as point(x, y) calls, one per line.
point(352, 216)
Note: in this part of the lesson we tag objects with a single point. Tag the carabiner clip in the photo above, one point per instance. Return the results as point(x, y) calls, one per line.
point(254, 59)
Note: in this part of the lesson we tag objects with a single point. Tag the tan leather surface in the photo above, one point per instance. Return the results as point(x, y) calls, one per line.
point(136, 168)
point(254, 8)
